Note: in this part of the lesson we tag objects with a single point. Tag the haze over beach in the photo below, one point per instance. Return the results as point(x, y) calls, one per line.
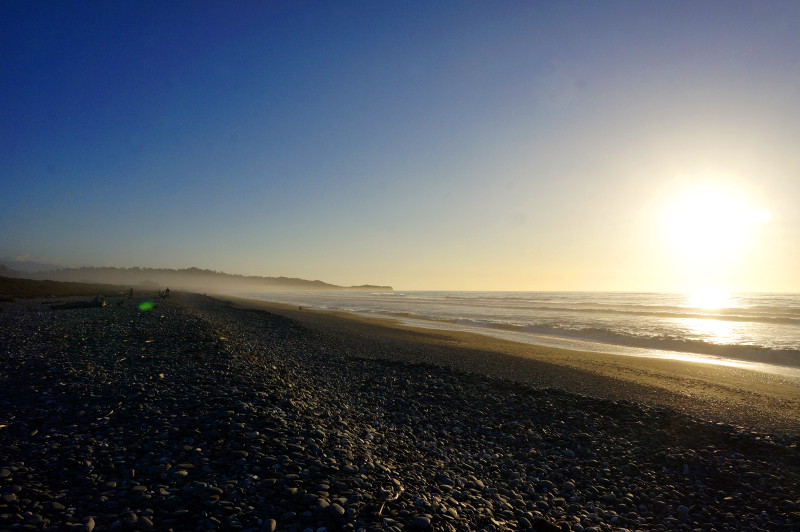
point(344, 266)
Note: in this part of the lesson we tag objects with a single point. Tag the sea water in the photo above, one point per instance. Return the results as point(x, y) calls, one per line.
point(762, 328)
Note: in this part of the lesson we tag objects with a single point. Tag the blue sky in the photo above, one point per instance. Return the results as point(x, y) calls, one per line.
point(452, 145)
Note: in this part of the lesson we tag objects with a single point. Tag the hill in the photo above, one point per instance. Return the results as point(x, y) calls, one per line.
point(194, 279)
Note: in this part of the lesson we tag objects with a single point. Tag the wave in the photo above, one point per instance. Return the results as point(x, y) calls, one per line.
point(779, 311)
point(750, 353)
point(719, 316)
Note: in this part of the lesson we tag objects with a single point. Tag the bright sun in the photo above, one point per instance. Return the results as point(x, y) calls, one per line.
point(710, 228)
point(712, 224)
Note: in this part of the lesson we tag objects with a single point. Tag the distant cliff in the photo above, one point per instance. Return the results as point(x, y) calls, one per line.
point(195, 279)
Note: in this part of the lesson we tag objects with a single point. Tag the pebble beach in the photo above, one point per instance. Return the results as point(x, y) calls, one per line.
point(200, 415)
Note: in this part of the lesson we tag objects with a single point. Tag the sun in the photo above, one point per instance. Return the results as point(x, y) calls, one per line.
point(711, 230)
point(711, 224)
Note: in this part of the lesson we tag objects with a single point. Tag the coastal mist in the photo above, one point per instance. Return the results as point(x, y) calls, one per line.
point(762, 328)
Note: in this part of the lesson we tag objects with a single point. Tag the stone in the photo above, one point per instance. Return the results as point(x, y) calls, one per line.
point(543, 525)
point(421, 521)
point(336, 510)
point(131, 518)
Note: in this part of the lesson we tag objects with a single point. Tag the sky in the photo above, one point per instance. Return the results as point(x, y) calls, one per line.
point(470, 145)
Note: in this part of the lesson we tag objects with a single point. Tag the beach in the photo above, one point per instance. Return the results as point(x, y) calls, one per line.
point(758, 400)
point(204, 414)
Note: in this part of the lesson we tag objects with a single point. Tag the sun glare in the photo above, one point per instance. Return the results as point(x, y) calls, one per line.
point(712, 224)
point(712, 230)
point(709, 299)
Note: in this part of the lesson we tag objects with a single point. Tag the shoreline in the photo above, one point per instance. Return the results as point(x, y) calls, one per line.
point(592, 346)
point(740, 396)
point(760, 358)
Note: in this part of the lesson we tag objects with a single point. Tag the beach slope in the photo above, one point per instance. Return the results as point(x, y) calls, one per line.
point(757, 400)
point(196, 414)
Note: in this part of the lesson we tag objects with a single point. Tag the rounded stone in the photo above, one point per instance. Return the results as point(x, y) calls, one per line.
point(421, 521)
point(336, 510)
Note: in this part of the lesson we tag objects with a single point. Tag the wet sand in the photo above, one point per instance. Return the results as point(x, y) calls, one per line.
point(742, 397)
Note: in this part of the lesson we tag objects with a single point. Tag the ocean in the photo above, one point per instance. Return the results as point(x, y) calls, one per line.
point(759, 328)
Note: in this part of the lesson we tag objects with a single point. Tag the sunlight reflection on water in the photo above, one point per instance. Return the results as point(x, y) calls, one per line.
point(595, 347)
point(712, 331)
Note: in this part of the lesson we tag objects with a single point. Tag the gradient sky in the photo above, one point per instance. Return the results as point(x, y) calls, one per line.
point(425, 145)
